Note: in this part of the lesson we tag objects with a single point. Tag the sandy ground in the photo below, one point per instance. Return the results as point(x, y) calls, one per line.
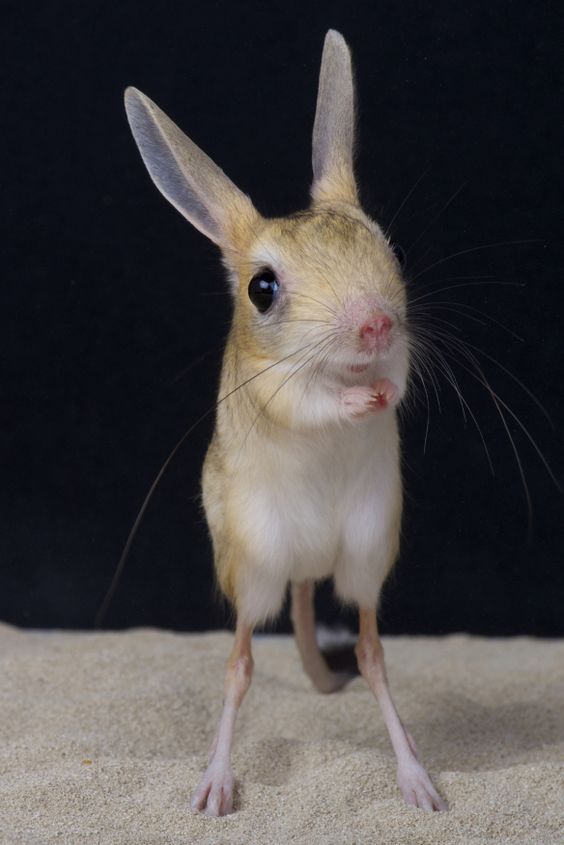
point(104, 735)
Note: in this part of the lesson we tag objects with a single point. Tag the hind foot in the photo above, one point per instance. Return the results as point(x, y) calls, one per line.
point(214, 794)
point(417, 788)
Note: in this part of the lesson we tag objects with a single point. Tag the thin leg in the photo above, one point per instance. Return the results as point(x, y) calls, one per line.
point(303, 620)
point(413, 780)
point(214, 795)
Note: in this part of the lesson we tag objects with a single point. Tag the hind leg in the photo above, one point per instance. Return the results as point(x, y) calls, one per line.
point(413, 780)
point(303, 620)
point(214, 795)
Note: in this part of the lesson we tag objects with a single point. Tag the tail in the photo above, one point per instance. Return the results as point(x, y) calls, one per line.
point(315, 664)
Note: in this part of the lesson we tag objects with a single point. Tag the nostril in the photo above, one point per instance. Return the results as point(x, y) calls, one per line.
point(378, 327)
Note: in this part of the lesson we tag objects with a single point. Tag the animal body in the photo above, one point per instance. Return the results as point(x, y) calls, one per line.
point(302, 478)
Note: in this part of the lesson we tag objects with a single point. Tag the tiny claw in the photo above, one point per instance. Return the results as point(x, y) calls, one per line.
point(359, 400)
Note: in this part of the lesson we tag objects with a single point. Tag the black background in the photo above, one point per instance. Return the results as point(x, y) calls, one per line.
point(114, 309)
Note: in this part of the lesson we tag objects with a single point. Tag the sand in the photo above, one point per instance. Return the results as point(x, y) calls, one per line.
point(104, 735)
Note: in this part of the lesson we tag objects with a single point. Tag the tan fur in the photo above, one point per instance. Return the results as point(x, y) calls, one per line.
point(317, 250)
point(302, 478)
point(327, 260)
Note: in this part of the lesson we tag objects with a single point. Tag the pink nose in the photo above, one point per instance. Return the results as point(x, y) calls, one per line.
point(374, 333)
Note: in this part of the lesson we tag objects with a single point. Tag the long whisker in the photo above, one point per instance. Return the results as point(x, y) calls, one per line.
point(466, 285)
point(318, 301)
point(335, 294)
point(303, 320)
point(434, 354)
point(319, 366)
point(434, 382)
point(517, 380)
point(507, 371)
point(462, 348)
point(455, 307)
point(446, 371)
point(405, 200)
point(417, 369)
point(472, 359)
point(448, 374)
point(481, 379)
point(322, 355)
point(191, 365)
point(475, 249)
point(437, 216)
point(125, 553)
point(299, 365)
point(465, 277)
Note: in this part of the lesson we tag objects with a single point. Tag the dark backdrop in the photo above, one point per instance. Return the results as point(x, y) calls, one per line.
point(114, 312)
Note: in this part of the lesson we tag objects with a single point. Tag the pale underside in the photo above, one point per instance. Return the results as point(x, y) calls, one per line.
point(290, 506)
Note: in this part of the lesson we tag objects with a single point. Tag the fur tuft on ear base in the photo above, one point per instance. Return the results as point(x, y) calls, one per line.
point(333, 129)
point(187, 177)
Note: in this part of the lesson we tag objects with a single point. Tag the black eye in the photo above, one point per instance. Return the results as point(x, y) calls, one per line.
point(399, 252)
point(262, 290)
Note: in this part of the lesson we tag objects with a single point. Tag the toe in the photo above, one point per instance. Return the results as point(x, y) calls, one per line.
point(227, 803)
point(424, 800)
point(199, 797)
point(436, 802)
point(439, 804)
point(213, 806)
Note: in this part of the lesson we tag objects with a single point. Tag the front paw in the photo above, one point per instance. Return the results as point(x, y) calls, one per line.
point(359, 401)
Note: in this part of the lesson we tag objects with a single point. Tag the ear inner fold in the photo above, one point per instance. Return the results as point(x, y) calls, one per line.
point(333, 129)
point(186, 176)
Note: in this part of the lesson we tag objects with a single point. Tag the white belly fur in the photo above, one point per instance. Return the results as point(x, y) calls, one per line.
point(320, 504)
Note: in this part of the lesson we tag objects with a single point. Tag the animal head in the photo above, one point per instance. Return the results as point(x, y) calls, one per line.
point(326, 275)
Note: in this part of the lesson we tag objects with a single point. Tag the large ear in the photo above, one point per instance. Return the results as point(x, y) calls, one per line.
point(333, 129)
point(190, 180)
